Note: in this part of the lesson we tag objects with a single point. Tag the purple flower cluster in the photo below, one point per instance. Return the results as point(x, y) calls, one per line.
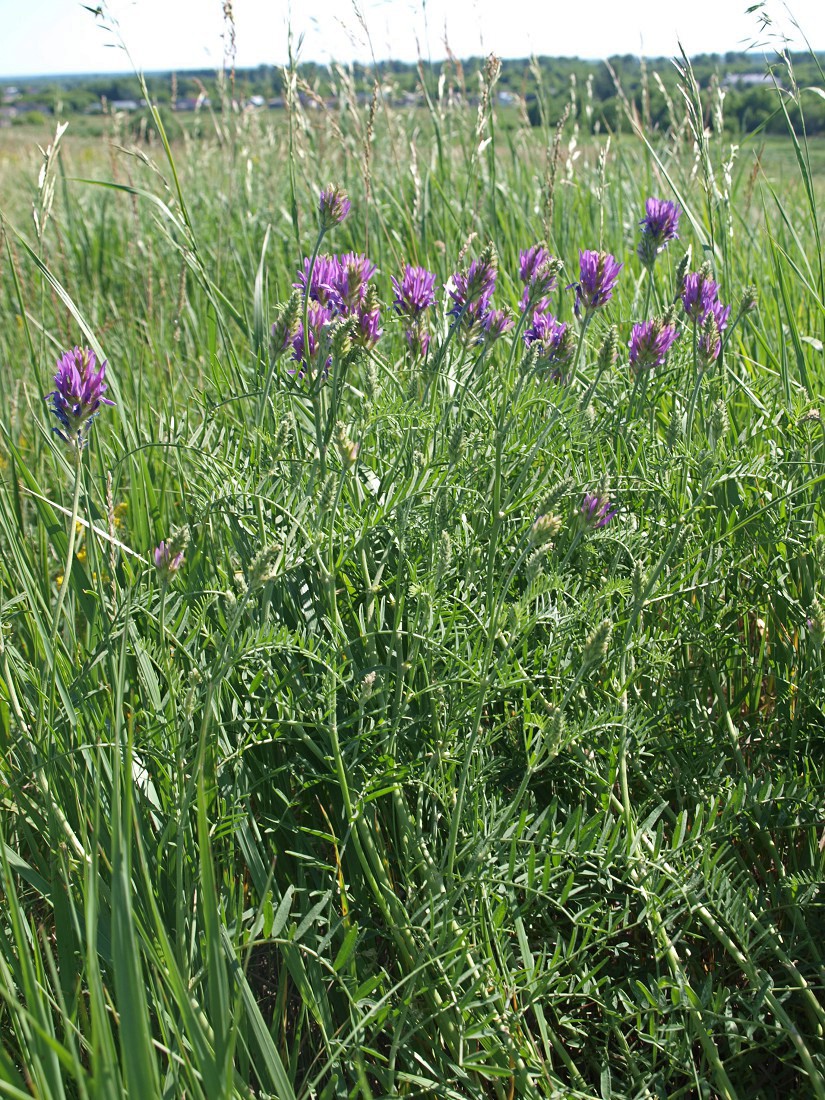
point(318, 321)
point(413, 295)
point(538, 271)
point(553, 340)
point(475, 286)
point(598, 272)
point(496, 324)
point(650, 343)
point(596, 510)
point(167, 561)
point(700, 299)
point(415, 292)
point(660, 225)
point(472, 291)
point(338, 282)
point(78, 394)
point(333, 207)
point(339, 286)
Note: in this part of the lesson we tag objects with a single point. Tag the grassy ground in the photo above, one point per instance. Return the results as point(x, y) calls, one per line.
point(383, 792)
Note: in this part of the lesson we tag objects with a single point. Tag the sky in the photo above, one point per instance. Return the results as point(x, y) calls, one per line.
point(42, 37)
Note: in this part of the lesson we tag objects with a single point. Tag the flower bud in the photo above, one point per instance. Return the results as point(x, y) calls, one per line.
point(598, 643)
point(347, 450)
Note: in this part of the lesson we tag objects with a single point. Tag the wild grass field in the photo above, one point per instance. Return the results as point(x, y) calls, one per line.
point(437, 710)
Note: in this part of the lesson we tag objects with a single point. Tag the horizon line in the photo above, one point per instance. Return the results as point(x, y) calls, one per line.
point(372, 64)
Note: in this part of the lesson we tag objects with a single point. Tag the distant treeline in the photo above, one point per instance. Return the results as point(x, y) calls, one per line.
point(599, 93)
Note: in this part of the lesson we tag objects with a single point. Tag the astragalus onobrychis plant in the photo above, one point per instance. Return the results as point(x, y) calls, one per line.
point(412, 684)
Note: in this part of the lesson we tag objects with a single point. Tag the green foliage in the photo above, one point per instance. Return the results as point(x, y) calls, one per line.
point(597, 91)
point(387, 791)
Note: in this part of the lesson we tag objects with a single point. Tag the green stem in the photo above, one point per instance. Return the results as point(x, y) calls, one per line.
point(314, 383)
point(648, 292)
point(61, 596)
point(588, 314)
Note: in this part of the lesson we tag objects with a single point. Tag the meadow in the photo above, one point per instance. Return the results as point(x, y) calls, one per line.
point(431, 706)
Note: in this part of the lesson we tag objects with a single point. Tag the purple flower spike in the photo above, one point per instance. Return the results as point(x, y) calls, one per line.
point(660, 225)
point(369, 326)
point(354, 273)
point(333, 207)
point(338, 282)
point(415, 292)
point(709, 347)
point(496, 324)
point(326, 276)
point(319, 318)
point(78, 394)
point(167, 562)
point(475, 286)
point(418, 341)
point(473, 320)
point(538, 271)
point(531, 261)
point(701, 302)
point(598, 272)
point(554, 339)
point(596, 510)
point(721, 314)
point(649, 344)
point(699, 292)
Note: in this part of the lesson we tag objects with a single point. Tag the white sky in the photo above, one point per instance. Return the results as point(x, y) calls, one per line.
point(61, 36)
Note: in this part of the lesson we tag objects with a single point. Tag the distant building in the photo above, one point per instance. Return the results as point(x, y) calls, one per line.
point(124, 104)
point(189, 103)
point(749, 80)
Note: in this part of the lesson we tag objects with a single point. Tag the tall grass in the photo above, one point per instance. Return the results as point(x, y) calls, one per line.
point(376, 796)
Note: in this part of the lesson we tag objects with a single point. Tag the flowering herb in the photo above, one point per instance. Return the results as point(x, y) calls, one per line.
point(660, 225)
point(333, 207)
point(166, 561)
point(598, 272)
point(596, 510)
point(539, 273)
point(700, 297)
point(710, 341)
point(324, 286)
point(531, 261)
point(351, 279)
point(473, 320)
point(472, 289)
point(339, 288)
point(496, 324)
point(553, 340)
point(721, 314)
point(319, 318)
point(749, 300)
point(418, 341)
point(369, 329)
point(650, 343)
point(78, 394)
point(415, 292)
point(544, 527)
point(701, 303)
